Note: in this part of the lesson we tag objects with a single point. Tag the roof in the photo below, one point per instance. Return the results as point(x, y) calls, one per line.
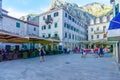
point(31, 23)
point(5, 10)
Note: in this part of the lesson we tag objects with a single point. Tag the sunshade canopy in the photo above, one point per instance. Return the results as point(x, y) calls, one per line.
point(115, 23)
point(9, 37)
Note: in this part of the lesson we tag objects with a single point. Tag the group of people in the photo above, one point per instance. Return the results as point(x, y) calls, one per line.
point(4, 53)
point(99, 52)
point(66, 50)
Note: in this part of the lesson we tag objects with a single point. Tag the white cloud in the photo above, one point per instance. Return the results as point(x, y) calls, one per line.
point(16, 13)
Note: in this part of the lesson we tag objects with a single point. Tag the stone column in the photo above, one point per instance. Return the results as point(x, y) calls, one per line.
point(119, 52)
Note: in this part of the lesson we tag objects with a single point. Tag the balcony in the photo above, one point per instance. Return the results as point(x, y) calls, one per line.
point(48, 20)
point(99, 32)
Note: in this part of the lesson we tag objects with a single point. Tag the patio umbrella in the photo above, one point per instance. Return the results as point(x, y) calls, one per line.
point(115, 22)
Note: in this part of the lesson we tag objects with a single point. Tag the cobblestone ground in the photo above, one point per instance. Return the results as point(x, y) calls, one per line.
point(61, 67)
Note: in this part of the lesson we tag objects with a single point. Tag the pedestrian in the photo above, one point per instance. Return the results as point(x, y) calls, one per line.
point(101, 52)
point(96, 51)
point(5, 54)
point(68, 50)
point(83, 53)
point(105, 50)
point(42, 54)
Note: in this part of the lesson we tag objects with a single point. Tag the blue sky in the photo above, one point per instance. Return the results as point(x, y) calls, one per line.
point(19, 8)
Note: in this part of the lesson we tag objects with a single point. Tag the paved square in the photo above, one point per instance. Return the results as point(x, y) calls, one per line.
point(60, 67)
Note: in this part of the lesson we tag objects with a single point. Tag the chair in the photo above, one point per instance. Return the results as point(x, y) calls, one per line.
point(1, 57)
point(15, 56)
point(25, 55)
point(10, 56)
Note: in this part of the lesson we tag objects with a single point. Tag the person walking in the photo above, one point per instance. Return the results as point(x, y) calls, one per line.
point(96, 51)
point(42, 54)
point(101, 52)
point(105, 50)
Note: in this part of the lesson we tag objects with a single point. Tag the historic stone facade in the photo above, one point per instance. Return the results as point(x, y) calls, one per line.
point(61, 23)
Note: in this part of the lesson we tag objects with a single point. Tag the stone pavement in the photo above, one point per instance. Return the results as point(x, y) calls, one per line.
point(60, 67)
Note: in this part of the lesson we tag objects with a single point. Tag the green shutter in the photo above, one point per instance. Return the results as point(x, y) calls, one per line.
point(17, 24)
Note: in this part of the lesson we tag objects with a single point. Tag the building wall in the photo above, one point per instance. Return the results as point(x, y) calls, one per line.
point(79, 35)
point(18, 27)
point(32, 30)
point(10, 25)
point(52, 30)
point(64, 26)
point(97, 29)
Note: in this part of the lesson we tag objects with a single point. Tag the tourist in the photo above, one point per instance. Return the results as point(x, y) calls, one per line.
point(84, 53)
point(42, 54)
point(105, 50)
point(101, 52)
point(96, 51)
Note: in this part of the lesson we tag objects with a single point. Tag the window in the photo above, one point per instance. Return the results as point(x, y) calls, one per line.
point(91, 36)
point(75, 21)
point(43, 17)
point(65, 24)
point(91, 29)
point(71, 27)
point(74, 29)
point(55, 14)
point(65, 14)
point(34, 29)
point(97, 28)
point(104, 27)
point(65, 35)
point(69, 36)
point(44, 27)
point(55, 35)
point(68, 26)
point(72, 19)
point(43, 36)
point(17, 24)
point(49, 26)
point(73, 36)
point(97, 36)
point(69, 17)
point(49, 17)
point(55, 25)
point(49, 35)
